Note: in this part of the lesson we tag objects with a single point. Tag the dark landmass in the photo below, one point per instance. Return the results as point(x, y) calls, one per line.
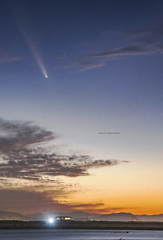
point(82, 216)
point(96, 225)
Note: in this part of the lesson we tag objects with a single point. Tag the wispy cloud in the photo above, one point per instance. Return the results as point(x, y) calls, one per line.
point(135, 43)
point(78, 64)
point(7, 58)
point(22, 158)
point(145, 42)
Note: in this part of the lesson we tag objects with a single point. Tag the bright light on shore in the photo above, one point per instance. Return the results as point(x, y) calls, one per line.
point(51, 220)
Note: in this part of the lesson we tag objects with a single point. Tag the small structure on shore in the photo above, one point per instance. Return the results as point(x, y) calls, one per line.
point(63, 218)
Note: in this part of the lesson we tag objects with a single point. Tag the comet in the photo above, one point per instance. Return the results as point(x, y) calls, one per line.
point(37, 57)
point(35, 54)
point(25, 30)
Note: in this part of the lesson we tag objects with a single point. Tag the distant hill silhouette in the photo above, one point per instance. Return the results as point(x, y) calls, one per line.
point(118, 217)
point(36, 217)
point(82, 216)
point(151, 218)
point(11, 216)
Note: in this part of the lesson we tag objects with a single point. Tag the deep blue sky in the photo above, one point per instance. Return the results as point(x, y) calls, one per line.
point(103, 59)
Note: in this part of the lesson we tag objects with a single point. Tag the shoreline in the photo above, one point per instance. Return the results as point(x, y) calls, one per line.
point(88, 225)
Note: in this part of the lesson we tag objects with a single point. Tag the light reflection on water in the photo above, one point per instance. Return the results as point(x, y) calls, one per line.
point(57, 234)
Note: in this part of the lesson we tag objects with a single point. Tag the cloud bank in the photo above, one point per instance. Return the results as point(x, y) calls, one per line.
point(27, 202)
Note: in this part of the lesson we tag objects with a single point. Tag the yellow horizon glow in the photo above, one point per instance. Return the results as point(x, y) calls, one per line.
point(106, 190)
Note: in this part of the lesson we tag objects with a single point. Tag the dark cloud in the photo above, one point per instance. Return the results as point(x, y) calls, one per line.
point(88, 205)
point(107, 210)
point(17, 135)
point(21, 159)
point(31, 164)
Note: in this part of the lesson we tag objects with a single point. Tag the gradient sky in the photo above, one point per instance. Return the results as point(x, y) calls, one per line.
point(81, 106)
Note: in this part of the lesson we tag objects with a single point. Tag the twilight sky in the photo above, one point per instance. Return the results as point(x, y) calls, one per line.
point(81, 106)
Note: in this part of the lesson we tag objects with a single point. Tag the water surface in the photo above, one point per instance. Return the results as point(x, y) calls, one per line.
point(58, 234)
